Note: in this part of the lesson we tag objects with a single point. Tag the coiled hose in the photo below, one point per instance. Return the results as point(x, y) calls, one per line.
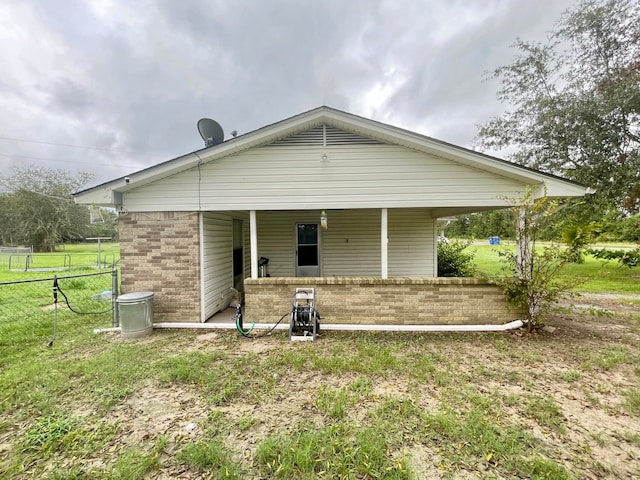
point(247, 333)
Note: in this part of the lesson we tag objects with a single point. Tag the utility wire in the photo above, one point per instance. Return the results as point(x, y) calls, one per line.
point(86, 147)
point(60, 160)
point(12, 190)
point(50, 196)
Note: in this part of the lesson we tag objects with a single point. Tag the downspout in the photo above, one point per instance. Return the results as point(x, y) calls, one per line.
point(356, 327)
point(105, 330)
point(203, 317)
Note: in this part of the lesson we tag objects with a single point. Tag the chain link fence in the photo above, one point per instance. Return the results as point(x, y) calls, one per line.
point(46, 262)
point(43, 300)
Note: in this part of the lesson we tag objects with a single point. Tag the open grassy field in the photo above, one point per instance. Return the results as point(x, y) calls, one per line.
point(592, 276)
point(66, 258)
point(561, 403)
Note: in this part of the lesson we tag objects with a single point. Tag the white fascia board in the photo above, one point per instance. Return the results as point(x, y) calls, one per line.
point(103, 195)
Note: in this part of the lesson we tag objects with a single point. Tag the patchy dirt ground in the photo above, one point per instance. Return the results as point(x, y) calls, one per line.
point(598, 438)
point(583, 363)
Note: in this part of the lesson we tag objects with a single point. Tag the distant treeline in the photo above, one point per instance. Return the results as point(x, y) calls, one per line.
point(501, 223)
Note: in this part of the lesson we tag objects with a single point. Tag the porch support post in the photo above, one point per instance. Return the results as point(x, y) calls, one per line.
point(384, 244)
point(524, 252)
point(435, 246)
point(253, 232)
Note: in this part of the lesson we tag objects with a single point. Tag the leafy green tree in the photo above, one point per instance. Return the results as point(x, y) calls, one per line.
point(483, 225)
point(533, 281)
point(8, 233)
point(625, 230)
point(576, 103)
point(38, 209)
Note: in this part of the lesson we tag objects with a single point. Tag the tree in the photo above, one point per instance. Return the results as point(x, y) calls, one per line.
point(38, 209)
point(576, 103)
point(533, 281)
point(483, 225)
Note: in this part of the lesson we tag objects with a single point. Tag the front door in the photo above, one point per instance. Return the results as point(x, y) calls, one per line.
point(307, 250)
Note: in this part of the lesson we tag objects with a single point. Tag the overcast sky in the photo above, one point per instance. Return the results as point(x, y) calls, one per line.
point(131, 78)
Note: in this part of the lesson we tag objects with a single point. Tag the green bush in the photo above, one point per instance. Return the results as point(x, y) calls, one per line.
point(628, 258)
point(453, 261)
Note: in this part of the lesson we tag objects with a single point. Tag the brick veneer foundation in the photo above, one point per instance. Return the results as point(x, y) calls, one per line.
point(160, 253)
point(370, 300)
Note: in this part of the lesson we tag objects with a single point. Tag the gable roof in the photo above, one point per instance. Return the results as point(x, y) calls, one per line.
point(110, 193)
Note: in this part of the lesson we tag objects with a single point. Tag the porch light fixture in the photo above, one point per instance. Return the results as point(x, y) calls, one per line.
point(323, 219)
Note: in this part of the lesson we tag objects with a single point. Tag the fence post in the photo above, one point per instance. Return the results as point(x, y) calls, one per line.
point(55, 306)
point(114, 296)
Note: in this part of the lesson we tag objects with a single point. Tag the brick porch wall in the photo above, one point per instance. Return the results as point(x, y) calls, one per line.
point(160, 253)
point(368, 300)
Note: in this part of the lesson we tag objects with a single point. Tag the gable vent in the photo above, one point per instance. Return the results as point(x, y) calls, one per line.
point(324, 136)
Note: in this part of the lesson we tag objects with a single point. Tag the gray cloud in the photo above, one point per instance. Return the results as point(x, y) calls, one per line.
point(136, 76)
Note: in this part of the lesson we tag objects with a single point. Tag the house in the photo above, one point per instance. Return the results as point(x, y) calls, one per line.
point(195, 227)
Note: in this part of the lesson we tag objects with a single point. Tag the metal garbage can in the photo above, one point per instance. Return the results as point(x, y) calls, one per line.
point(136, 314)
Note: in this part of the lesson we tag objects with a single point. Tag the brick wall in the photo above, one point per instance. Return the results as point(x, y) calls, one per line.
point(365, 300)
point(160, 253)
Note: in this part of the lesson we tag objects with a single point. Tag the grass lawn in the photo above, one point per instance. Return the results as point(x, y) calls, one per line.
point(592, 276)
point(212, 404)
point(563, 403)
point(67, 258)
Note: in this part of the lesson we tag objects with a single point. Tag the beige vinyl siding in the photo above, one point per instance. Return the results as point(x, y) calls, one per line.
point(411, 243)
point(351, 244)
point(217, 261)
point(276, 240)
point(349, 247)
point(351, 176)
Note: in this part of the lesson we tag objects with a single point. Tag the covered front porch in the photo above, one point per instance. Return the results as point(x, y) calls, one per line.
point(339, 243)
point(371, 242)
point(367, 267)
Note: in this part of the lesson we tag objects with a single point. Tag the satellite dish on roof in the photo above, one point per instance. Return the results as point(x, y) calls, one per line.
point(210, 131)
